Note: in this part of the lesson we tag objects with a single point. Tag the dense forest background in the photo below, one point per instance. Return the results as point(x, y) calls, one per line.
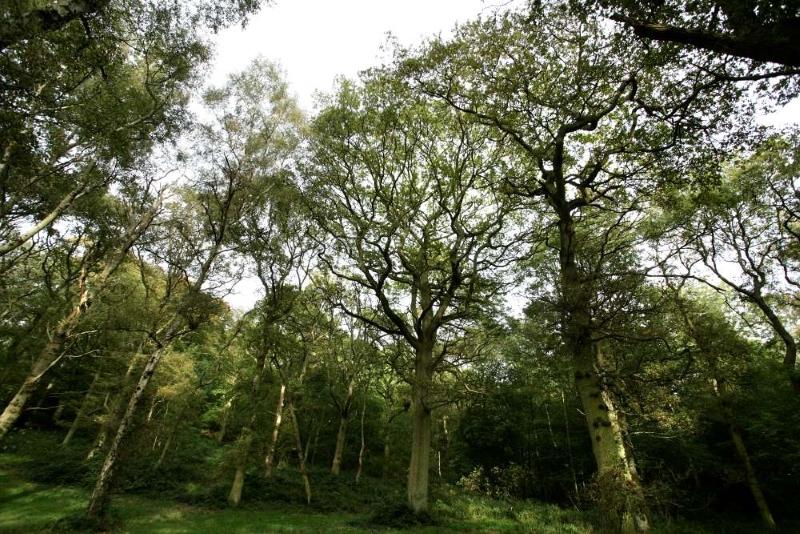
point(552, 258)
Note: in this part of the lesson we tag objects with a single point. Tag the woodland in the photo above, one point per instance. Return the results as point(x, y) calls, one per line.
point(540, 275)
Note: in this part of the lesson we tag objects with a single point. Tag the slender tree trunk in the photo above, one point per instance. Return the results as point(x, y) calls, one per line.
point(336, 465)
point(245, 441)
point(115, 411)
point(344, 414)
point(419, 468)
point(269, 461)
point(224, 423)
point(235, 494)
point(81, 411)
point(57, 413)
point(52, 350)
point(299, 445)
point(744, 457)
point(164, 450)
point(790, 354)
point(246, 436)
point(315, 446)
point(362, 450)
point(752, 480)
point(25, 236)
point(98, 502)
point(46, 358)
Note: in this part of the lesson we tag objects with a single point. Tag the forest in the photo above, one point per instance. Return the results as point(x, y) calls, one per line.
point(541, 274)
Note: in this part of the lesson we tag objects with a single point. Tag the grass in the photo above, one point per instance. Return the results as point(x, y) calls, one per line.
point(34, 495)
point(26, 507)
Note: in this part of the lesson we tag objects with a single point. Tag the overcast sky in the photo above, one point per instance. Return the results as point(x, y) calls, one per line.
point(316, 40)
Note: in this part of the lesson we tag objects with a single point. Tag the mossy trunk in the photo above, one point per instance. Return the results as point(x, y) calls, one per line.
point(269, 460)
point(245, 441)
point(341, 435)
point(298, 441)
point(720, 390)
point(363, 448)
point(620, 493)
point(419, 468)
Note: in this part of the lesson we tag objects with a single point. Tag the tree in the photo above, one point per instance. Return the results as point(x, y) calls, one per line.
point(593, 120)
point(402, 187)
point(741, 232)
point(761, 31)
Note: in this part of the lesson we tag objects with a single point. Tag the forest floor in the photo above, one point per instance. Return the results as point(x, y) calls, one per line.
point(28, 506)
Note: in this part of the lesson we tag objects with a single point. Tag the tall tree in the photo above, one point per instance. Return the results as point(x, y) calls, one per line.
point(402, 187)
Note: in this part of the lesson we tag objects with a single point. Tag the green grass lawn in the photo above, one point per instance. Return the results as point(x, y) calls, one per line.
point(26, 507)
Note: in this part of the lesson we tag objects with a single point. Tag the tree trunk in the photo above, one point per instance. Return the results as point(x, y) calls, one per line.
point(246, 436)
point(245, 440)
point(235, 494)
point(269, 461)
point(752, 481)
point(790, 353)
point(363, 443)
point(336, 465)
point(52, 350)
point(744, 457)
point(46, 358)
point(81, 411)
point(164, 450)
point(621, 495)
point(418, 472)
point(114, 412)
point(299, 444)
point(344, 414)
point(98, 502)
point(224, 423)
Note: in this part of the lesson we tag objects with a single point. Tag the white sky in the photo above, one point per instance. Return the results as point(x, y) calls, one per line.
point(316, 40)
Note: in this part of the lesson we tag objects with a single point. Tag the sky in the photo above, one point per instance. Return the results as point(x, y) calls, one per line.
point(315, 41)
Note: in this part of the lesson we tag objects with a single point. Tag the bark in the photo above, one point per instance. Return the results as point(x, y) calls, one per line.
point(235, 494)
point(765, 45)
point(45, 360)
point(752, 480)
point(362, 450)
point(81, 411)
point(419, 468)
point(246, 436)
point(114, 413)
point(269, 461)
point(299, 445)
point(245, 441)
point(98, 502)
point(744, 457)
point(164, 450)
point(52, 350)
point(622, 498)
point(224, 423)
point(27, 235)
point(790, 354)
point(344, 415)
